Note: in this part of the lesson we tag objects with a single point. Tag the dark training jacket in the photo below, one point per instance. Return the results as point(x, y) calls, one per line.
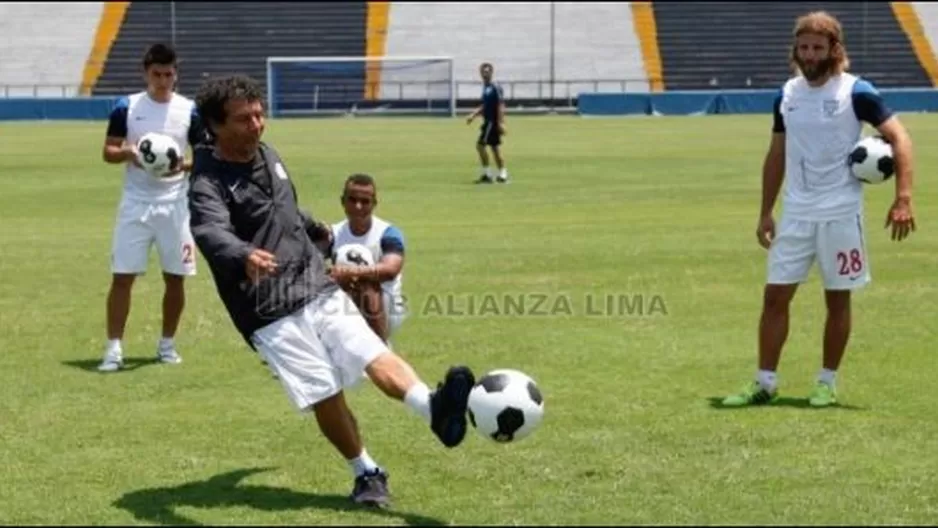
point(239, 207)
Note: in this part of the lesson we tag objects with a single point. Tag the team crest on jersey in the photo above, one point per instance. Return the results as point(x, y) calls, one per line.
point(830, 107)
point(281, 172)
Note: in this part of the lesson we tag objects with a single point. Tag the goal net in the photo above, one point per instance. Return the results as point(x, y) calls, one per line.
point(308, 86)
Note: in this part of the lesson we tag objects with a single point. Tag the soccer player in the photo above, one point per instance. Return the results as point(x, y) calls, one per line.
point(267, 258)
point(492, 110)
point(152, 209)
point(819, 116)
point(376, 290)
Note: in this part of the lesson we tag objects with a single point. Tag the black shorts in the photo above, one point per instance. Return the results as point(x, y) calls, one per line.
point(490, 135)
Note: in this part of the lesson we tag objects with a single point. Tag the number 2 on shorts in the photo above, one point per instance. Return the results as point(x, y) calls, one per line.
point(187, 253)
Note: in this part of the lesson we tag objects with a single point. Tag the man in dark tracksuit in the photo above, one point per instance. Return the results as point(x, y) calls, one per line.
point(492, 110)
point(267, 258)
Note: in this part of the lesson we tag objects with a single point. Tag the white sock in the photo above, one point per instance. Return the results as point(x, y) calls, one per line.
point(166, 342)
point(363, 464)
point(486, 171)
point(827, 376)
point(418, 399)
point(114, 346)
point(768, 379)
point(503, 174)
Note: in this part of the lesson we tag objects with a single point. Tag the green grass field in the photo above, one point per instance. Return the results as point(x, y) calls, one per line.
point(656, 210)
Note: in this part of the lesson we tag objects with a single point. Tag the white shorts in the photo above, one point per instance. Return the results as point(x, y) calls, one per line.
point(140, 225)
point(839, 246)
point(320, 350)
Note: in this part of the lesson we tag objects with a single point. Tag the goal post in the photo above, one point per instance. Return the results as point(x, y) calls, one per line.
point(380, 85)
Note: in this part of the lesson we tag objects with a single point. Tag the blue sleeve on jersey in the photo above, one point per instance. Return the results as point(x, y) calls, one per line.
point(196, 130)
point(778, 123)
point(117, 122)
point(868, 104)
point(392, 241)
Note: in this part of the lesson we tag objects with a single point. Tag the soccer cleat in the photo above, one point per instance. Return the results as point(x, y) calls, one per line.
point(371, 489)
point(448, 405)
point(502, 178)
point(752, 394)
point(485, 178)
point(168, 354)
point(113, 361)
point(823, 395)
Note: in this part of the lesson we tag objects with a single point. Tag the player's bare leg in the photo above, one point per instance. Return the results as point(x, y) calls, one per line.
point(339, 426)
point(500, 163)
point(836, 336)
point(118, 304)
point(773, 325)
point(484, 177)
point(174, 301)
point(444, 409)
point(773, 332)
point(118, 310)
point(837, 327)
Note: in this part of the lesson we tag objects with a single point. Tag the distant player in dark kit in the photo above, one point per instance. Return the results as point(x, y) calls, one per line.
point(493, 126)
point(267, 257)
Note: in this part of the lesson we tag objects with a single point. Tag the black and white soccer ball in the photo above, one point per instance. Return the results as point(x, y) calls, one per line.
point(871, 160)
point(353, 255)
point(505, 405)
point(158, 154)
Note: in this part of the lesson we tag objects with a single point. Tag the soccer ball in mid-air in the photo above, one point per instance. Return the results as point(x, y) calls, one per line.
point(505, 405)
point(354, 255)
point(158, 154)
point(871, 160)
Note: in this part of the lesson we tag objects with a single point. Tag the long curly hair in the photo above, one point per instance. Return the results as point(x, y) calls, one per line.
point(825, 24)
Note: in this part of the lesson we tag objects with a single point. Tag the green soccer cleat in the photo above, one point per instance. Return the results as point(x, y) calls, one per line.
point(823, 395)
point(753, 394)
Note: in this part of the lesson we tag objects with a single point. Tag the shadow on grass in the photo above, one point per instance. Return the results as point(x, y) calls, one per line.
point(157, 505)
point(716, 402)
point(91, 365)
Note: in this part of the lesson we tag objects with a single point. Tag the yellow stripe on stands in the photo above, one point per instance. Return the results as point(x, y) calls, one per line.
point(376, 37)
point(112, 16)
point(907, 17)
point(643, 18)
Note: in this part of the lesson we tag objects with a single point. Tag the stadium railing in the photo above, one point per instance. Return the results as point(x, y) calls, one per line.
point(597, 97)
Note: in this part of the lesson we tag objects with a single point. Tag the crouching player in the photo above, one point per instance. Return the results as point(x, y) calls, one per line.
point(376, 290)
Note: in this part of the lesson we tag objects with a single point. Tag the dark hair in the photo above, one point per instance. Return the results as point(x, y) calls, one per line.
point(161, 54)
point(487, 65)
point(359, 179)
point(215, 93)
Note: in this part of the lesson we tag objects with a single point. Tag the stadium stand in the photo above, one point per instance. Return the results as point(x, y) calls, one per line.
point(234, 37)
point(44, 47)
point(707, 45)
point(677, 53)
point(595, 44)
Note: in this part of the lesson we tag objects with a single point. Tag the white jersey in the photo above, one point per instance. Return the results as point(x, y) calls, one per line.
point(381, 239)
point(821, 126)
point(137, 115)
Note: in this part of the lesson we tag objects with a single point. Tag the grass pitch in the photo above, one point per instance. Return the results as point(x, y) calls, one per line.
point(656, 214)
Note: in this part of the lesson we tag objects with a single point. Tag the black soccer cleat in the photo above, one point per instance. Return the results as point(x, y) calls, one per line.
point(448, 405)
point(371, 489)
